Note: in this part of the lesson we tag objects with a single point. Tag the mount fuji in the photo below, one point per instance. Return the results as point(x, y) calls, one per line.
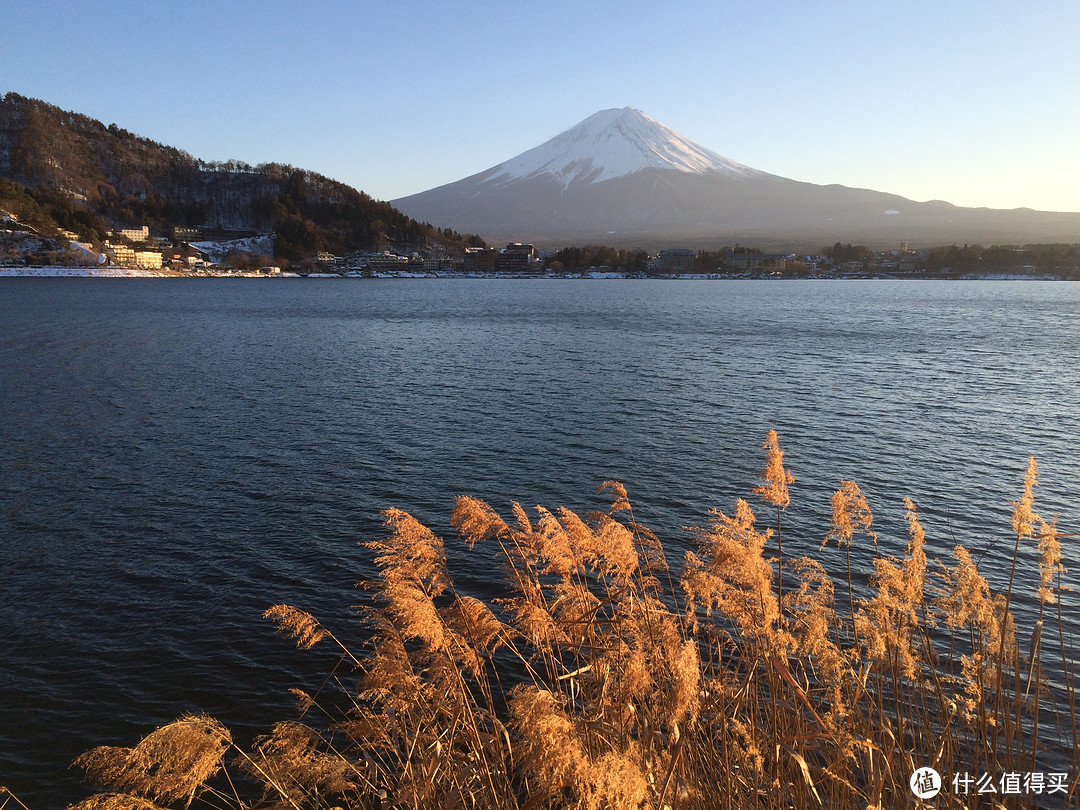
point(621, 177)
point(610, 144)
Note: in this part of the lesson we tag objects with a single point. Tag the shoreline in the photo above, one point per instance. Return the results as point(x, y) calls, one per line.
point(135, 272)
point(80, 272)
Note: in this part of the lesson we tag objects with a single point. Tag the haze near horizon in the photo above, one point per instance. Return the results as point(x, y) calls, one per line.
point(953, 101)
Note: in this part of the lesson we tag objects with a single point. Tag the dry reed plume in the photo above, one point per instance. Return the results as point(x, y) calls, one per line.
point(598, 681)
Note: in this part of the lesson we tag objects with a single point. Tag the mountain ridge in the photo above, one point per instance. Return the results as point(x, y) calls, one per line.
point(623, 178)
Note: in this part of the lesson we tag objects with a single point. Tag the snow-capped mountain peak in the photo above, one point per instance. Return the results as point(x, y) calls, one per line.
point(624, 179)
point(613, 143)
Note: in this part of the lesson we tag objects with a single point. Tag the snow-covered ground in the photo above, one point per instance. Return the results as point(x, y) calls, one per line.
point(1009, 277)
point(83, 272)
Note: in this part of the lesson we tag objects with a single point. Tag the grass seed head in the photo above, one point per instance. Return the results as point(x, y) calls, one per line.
point(1024, 518)
point(171, 763)
point(299, 624)
point(775, 489)
point(850, 514)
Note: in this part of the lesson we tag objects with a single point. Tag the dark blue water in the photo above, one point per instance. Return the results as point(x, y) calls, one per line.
point(177, 456)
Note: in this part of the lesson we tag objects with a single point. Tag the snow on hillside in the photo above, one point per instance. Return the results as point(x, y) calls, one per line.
point(613, 143)
point(217, 251)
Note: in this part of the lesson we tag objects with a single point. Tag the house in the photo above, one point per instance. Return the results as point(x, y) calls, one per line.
point(517, 257)
point(183, 234)
point(381, 262)
point(148, 258)
point(120, 254)
point(134, 235)
point(675, 260)
point(479, 260)
point(752, 260)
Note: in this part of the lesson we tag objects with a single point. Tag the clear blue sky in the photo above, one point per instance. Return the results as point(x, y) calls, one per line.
point(974, 102)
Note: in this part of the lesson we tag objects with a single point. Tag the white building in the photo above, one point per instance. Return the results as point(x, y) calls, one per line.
point(136, 235)
point(148, 258)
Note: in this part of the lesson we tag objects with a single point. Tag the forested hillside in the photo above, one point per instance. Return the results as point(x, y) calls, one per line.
point(77, 173)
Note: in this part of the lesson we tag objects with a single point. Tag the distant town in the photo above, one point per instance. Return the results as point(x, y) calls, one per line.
point(191, 252)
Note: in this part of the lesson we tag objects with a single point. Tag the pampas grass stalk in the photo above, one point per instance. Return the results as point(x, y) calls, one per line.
point(775, 492)
point(7, 796)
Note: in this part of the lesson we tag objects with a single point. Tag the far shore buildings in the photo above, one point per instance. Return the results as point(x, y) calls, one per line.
point(148, 258)
point(128, 256)
point(517, 258)
point(479, 260)
point(676, 260)
point(386, 261)
point(135, 235)
point(206, 234)
point(129, 247)
point(751, 260)
point(121, 254)
point(184, 234)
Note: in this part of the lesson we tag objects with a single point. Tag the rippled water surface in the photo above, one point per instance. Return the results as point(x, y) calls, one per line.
point(177, 456)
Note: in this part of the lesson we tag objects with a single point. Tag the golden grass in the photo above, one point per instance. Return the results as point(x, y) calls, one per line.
point(598, 681)
point(170, 764)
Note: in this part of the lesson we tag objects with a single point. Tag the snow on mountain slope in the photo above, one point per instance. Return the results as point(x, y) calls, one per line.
point(614, 143)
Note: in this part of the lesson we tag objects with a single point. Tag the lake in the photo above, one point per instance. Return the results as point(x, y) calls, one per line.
point(178, 455)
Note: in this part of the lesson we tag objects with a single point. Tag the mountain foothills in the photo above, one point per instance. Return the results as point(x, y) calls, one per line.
point(64, 170)
point(626, 179)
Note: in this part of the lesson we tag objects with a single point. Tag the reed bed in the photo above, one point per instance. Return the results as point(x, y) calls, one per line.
point(603, 678)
